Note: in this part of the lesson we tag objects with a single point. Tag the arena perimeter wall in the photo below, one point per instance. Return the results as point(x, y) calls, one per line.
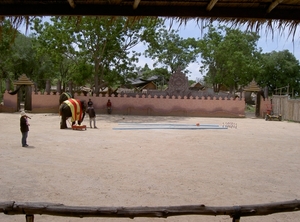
point(139, 105)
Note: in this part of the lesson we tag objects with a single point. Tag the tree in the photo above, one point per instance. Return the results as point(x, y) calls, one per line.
point(209, 50)
point(279, 69)
point(230, 57)
point(54, 42)
point(172, 51)
point(108, 41)
point(19, 55)
point(102, 42)
point(23, 57)
point(6, 41)
point(239, 55)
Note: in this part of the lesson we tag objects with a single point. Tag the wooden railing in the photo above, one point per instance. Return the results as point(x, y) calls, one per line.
point(235, 212)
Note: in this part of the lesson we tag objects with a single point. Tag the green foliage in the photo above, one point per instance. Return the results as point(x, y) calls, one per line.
point(279, 69)
point(103, 42)
point(82, 73)
point(146, 72)
point(250, 108)
point(18, 56)
point(172, 51)
point(23, 56)
point(6, 41)
point(108, 41)
point(229, 57)
point(98, 50)
point(191, 82)
point(54, 47)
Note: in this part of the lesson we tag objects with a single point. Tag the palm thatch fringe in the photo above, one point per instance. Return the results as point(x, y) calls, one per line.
point(270, 26)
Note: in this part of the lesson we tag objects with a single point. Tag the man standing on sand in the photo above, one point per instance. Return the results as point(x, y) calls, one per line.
point(108, 105)
point(24, 127)
point(92, 115)
point(90, 103)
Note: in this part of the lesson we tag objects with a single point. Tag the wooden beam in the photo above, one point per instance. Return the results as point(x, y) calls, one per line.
point(116, 2)
point(136, 3)
point(255, 14)
point(236, 212)
point(273, 5)
point(211, 5)
point(72, 3)
point(29, 218)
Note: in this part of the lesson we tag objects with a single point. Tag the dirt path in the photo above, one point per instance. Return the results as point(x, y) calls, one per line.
point(257, 162)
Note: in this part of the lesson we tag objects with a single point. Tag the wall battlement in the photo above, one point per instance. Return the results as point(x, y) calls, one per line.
point(141, 104)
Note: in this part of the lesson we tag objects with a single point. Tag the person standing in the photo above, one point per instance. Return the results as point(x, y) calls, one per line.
point(90, 103)
point(24, 127)
point(108, 105)
point(92, 116)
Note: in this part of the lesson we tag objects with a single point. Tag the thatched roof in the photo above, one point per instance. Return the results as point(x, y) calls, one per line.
point(243, 9)
point(252, 87)
point(275, 14)
point(23, 80)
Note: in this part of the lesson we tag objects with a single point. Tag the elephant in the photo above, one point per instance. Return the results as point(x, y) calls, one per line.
point(72, 108)
point(64, 96)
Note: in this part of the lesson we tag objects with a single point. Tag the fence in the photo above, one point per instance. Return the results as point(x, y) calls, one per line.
point(288, 108)
point(235, 212)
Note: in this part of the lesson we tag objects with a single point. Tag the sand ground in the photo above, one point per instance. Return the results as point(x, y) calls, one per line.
point(257, 162)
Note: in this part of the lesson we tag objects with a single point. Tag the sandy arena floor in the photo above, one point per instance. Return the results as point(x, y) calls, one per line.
point(258, 162)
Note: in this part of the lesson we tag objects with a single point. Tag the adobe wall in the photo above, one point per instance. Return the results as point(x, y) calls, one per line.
point(265, 106)
point(9, 103)
point(140, 105)
point(170, 106)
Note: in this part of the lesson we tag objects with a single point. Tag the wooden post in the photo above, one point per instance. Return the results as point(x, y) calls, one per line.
point(237, 214)
point(236, 219)
point(29, 218)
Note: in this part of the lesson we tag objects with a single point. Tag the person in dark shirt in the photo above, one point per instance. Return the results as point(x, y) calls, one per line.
point(90, 103)
point(92, 115)
point(24, 127)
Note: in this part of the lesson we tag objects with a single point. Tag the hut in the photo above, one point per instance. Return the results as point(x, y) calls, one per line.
point(142, 84)
point(197, 86)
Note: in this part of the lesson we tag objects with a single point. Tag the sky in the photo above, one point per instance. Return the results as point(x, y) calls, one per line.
point(267, 42)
